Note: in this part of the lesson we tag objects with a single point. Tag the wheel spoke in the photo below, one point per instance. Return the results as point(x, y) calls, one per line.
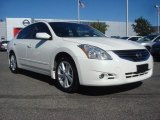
point(66, 84)
point(61, 76)
point(60, 67)
point(63, 66)
point(67, 68)
point(69, 78)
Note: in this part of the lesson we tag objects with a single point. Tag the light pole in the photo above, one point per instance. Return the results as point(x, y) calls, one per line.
point(127, 18)
point(78, 11)
point(157, 6)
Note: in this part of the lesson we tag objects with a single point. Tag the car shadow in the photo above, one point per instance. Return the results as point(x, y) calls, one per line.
point(37, 76)
point(99, 91)
point(84, 90)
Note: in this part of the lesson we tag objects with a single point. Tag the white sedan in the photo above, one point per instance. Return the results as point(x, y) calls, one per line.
point(75, 54)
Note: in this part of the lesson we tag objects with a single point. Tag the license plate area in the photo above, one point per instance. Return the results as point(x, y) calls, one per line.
point(142, 68)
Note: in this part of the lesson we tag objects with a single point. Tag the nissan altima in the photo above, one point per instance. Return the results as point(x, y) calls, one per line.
point(75, 54)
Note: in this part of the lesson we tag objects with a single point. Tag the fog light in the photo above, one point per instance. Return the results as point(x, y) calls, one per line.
point(101, 76)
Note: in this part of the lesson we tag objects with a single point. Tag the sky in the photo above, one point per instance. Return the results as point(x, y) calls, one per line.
point(102, 10)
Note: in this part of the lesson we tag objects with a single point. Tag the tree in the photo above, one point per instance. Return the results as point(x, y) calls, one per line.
point(142, 27)
point(100, 26)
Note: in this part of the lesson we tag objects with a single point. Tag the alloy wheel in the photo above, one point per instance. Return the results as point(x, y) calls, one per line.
point(13, 63)
point(65, 74)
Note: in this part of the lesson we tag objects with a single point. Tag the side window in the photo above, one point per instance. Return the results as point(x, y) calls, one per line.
point(30, 31)
point(39, 28)
point(26, 32)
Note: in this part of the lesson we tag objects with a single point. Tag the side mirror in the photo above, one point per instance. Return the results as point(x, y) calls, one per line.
point(43, 35)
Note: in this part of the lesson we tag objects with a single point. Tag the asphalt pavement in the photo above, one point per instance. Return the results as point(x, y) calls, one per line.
point(32, 96)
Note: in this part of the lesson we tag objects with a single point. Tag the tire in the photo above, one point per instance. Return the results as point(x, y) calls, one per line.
point(66, 75)
point(13, 63)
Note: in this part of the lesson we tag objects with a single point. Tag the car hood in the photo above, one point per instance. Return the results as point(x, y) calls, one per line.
point(106, 43)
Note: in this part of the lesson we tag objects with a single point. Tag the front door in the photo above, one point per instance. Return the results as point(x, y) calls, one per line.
point(39, 50)
point(39, 54)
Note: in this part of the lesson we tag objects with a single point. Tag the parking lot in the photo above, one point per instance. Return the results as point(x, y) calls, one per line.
point(28, 96)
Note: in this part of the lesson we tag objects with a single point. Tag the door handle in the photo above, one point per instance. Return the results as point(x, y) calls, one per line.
point(15, 44)
point(29, 46)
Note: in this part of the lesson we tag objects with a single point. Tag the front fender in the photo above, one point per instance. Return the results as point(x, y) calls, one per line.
point(74, 51)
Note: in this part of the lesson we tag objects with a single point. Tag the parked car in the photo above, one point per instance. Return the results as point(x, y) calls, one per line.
point(75, 54)
point(3, 45)
point(149, 40)
point(132, 38)
point(155, 51)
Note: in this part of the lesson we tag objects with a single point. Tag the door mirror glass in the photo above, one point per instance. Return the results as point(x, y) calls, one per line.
point(43, 35)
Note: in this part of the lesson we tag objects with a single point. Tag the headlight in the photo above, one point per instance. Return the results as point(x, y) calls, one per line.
point(93, 52)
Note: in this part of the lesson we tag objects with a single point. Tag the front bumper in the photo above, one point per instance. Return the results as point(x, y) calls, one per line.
point(111, 72)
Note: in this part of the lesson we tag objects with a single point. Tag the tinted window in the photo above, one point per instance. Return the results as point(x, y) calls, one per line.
point(26, 32)
point(30, 31)
point(62, 29)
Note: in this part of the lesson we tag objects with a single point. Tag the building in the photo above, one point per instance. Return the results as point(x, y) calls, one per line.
point(14, 25)
point(10, 28)
point(119, 29)
point(3, 30)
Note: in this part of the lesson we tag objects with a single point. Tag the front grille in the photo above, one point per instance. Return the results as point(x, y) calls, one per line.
point(133, 55)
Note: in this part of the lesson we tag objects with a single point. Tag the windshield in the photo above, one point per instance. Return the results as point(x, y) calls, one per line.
point(63, 29)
